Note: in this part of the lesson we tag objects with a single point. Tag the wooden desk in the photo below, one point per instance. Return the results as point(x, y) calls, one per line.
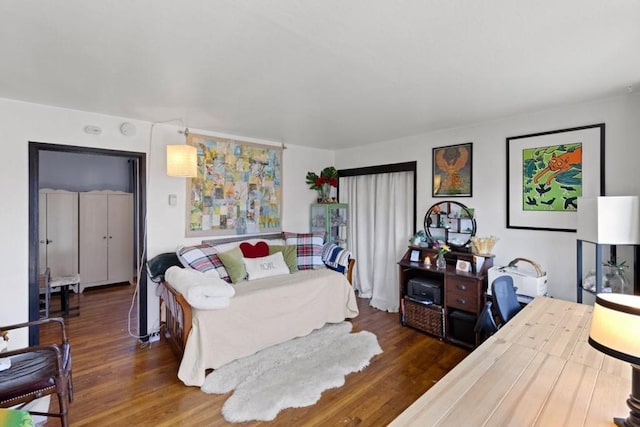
point(462, 295)
point(537, 370)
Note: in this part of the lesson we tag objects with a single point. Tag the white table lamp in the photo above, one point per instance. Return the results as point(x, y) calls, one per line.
point(612, 220)
point(615, 331)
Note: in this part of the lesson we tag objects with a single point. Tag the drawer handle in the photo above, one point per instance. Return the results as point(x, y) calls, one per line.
point(462, 301)
point(462, 287)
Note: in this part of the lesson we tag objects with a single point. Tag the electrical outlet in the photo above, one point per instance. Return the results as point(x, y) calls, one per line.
point(154, 337)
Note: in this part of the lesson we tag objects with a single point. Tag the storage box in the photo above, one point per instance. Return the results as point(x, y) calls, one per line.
point(423, 289)
point(425, 317)
point(461, 327)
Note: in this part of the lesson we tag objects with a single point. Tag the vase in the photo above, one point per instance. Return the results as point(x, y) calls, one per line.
point(324, 193)
point(613, 280)
point(441, 262)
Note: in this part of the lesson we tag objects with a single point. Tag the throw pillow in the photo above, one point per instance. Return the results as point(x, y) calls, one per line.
point(232, 261)
point(224, 247)
point(289, 252)
point(259, 250)
point(270, 265)
point(309, 248)
point(335, 257)
point(202, 258)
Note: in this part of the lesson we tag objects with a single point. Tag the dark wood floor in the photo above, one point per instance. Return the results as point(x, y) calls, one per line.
point(119, 383)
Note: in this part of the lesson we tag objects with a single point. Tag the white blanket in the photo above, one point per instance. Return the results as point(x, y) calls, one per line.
point(203, 297)
point(201, 290)
point(265, 312)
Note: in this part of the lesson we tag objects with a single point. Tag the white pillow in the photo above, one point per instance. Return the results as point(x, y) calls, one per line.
point(270, 265)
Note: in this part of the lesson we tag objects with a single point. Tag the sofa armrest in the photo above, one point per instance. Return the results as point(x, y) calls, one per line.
point(352, 263)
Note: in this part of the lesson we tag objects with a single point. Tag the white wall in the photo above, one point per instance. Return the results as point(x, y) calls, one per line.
point(23, 122)
point(555, 251)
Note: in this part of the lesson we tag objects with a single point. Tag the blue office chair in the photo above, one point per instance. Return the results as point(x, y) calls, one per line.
point(504, 296)
point(485, 325)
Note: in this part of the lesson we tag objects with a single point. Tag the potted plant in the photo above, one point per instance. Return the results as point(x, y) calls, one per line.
point(322, 183)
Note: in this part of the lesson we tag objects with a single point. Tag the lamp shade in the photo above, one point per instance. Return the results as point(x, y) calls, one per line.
point(613, 220)
point(615, 326)
point(182, 160)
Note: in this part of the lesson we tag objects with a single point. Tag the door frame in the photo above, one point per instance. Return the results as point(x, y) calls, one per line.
point(140, 205)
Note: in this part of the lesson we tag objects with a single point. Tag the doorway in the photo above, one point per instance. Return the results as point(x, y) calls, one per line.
point(138, 187)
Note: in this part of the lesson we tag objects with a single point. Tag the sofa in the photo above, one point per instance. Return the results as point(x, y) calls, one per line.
point(255, 300)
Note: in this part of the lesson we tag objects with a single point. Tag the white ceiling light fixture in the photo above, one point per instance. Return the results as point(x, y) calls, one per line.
point(182, 160)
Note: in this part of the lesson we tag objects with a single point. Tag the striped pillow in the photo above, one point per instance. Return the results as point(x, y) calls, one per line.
point(202, 258)
point(308, 248)
point(335, 257)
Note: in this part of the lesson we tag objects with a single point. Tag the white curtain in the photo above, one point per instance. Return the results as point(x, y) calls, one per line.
point(380, 225)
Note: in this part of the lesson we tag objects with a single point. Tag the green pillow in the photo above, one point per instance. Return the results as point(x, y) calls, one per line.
point(234, 265)
point(289, 252)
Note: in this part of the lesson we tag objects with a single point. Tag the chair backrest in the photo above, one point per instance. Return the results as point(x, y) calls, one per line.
point(504, 295)
point(485, 325)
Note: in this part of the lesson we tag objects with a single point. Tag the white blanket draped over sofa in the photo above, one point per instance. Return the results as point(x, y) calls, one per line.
point(265, 312)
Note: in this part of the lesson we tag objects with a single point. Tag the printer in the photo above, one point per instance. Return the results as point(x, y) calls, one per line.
point(425, 290)
point(528, 279)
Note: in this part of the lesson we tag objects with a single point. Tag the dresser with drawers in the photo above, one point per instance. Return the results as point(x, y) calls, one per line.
point(462, 294)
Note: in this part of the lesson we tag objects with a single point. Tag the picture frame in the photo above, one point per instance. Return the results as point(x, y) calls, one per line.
point(452, 171)
point(462, 265)
point(548, 171)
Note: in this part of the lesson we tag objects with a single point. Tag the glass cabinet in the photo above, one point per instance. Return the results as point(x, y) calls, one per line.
point(332, 219)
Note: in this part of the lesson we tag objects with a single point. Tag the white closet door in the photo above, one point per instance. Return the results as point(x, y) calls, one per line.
point(62, 233)
point(93, 238)
point(120, 258)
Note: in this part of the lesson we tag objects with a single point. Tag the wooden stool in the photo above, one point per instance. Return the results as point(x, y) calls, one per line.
point(64, 282)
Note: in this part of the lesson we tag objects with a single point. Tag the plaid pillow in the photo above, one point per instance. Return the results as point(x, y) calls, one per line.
point(202, 258)
point(308, 248)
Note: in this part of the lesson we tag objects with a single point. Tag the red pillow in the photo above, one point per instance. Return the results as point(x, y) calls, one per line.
point(259, 250)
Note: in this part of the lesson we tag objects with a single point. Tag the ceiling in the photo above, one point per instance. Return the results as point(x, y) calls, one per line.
point(327, 74)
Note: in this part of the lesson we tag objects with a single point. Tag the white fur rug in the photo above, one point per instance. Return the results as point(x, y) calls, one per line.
point(292, 374)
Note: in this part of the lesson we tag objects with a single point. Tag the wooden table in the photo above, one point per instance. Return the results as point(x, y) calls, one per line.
point(537, 370)
point(64, 282)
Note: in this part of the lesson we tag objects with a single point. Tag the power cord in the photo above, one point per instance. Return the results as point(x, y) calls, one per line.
point(144, 339)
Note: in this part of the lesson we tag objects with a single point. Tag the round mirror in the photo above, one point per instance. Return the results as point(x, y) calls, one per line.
point(450, 222)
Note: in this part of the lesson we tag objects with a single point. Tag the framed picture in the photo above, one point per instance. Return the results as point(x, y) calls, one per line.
point(462, 265)
point(451, 171)
point(238, 189)
point(547, 172)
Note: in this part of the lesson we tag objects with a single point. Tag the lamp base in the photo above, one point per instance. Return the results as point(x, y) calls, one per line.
point(621, 422)
point(633, 402)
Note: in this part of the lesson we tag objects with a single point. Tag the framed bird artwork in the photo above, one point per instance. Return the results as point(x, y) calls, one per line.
point(548, 172)
point(452, 171)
